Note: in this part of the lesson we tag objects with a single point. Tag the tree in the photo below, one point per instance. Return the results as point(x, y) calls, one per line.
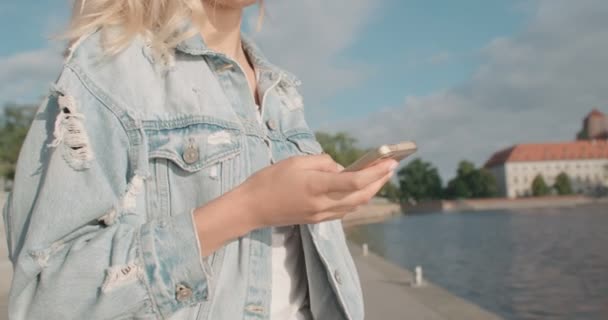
point(15, 122)
point(539, 187)
point(390, 191)
point(340, 146)
point(419, 180)
point(562, 184)
point(483, 184)
point(471, 182)
point(582, 135)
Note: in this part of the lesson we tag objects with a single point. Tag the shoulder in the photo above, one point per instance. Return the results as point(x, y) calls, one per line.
point(119, 80)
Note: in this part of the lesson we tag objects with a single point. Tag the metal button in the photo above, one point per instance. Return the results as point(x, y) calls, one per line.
point(182, 292)
point(191, 153)
point(272, 125)
point(338, 276)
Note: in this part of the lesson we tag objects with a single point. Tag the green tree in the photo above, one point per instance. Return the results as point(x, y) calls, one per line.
point(340, 146)
point(390, 191)
point(483, 184)
point(471, 182)
point(419, 180)
point(562, 184)
point(539, 187)
point(582, 135)
point(14, 124)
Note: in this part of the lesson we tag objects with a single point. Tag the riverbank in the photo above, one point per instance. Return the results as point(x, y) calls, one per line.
point(388, 294)
point(377, 210)
point(448, 206)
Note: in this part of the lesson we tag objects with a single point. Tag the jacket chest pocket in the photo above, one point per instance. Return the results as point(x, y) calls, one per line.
point(302, 142)
point(191, 166)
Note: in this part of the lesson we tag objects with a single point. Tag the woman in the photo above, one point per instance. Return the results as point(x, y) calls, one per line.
point(171, 177)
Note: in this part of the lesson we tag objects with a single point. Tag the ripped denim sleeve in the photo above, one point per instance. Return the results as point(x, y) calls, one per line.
point(80, 239)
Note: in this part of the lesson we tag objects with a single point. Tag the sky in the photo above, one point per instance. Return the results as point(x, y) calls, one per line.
point(462, 79)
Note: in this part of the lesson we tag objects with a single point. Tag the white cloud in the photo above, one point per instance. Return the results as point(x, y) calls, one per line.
point(534, 86)
point(25, 76)
point(308, 38)
point(440, 58)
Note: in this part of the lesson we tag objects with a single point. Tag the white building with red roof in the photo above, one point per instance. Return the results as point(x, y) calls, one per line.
point(584, 161)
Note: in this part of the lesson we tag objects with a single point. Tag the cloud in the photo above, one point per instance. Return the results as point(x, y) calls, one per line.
point(440, 58)
point(309, 38)
point(534, 86)
point(25, 76)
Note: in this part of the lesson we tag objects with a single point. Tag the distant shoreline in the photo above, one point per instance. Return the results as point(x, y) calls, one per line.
point(380, 210)
point(449, 206)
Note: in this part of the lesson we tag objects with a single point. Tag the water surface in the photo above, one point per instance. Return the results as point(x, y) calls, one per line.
point(525, 264)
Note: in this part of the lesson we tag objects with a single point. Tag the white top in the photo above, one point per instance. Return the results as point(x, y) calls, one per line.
point(289, 284)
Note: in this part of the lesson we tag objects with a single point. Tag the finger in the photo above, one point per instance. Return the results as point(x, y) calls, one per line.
point(362, 196)
point(320, 162)
point(353, 181)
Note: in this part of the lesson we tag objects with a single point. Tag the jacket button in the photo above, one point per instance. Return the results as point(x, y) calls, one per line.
point(272, 125)
point(182, 293)
point(191, 153)
point(338, 276)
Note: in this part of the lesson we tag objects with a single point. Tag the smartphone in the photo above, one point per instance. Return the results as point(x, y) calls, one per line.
point(397, 151)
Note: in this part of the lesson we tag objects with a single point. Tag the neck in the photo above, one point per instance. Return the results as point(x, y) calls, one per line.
point(221, 28)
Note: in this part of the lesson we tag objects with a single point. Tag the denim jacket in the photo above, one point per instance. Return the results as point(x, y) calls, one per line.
point(99, 222)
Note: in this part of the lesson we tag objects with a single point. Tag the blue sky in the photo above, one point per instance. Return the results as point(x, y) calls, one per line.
point(414, 47)
point(461, 78)
point(28, 24)
point(417, 47)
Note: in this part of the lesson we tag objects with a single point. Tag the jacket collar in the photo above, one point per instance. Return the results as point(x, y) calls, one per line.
point(195, 46)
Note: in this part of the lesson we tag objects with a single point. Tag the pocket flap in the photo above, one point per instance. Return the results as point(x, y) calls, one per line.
point(306, 142)
point(194, 147)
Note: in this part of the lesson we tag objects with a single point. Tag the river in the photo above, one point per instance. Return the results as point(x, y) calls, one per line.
point(524, 264)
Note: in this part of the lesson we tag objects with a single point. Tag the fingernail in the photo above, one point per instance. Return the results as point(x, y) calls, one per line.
point(393, 166)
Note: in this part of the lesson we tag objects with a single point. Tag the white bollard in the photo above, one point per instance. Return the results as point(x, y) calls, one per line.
point(418, 276)
point(365, 250)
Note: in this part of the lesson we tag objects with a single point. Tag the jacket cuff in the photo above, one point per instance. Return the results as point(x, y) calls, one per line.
point(176, 274)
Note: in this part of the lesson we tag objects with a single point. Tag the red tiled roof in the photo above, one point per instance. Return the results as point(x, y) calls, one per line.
point(572, 150)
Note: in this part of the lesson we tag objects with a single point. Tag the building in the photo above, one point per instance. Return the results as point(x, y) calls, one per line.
point(595, 126)
point(584, 161)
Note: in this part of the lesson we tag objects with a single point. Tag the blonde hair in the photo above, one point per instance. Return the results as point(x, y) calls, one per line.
point(160, 22)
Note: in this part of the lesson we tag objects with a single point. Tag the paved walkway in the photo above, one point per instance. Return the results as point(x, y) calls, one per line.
point(388, 294)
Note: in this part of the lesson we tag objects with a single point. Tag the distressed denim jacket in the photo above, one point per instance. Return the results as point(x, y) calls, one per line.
point(99, 222)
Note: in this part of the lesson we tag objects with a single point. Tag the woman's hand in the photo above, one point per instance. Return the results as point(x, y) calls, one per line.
point(310, 189)
point(298, 190)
